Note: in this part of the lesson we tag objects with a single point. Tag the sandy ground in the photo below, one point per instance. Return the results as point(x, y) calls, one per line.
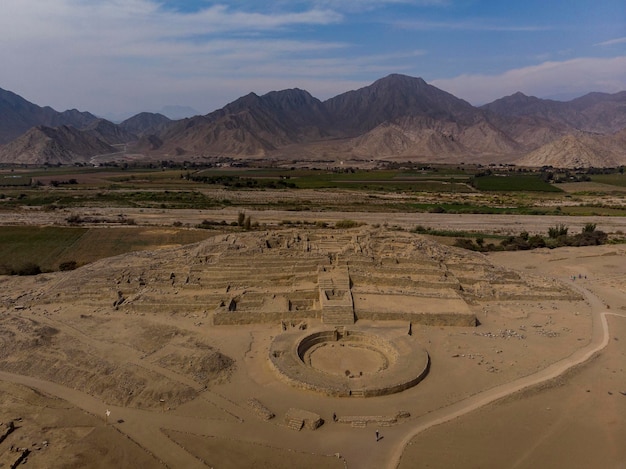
point(574, 420)
point(535, 385)
point(503, 224)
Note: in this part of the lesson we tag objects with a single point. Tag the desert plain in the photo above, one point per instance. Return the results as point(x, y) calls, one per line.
point(161, 358)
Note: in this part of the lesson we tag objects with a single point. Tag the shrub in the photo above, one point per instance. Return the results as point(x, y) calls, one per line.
point(68, 265)
point(30, 268)
point(589, 228)
point(557, 231)
point(589, 238)
point(536, 241)
point(465, 244)
point(74, 219)
point(347, 224)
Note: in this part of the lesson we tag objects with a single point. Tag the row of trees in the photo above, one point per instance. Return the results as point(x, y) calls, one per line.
point(558, 236)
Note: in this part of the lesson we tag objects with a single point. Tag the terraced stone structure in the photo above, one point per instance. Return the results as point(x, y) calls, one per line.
point(336, 276)
point(361, 290)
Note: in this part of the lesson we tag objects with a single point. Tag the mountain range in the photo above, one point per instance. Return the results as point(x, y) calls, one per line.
point(395, 118)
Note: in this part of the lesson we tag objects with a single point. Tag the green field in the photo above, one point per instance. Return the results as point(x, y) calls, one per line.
point(428, 189)
point(12, 180)
point(520, 183)
point(375, 180)
point(48, 247)
point(615, 179)
point(80, 197)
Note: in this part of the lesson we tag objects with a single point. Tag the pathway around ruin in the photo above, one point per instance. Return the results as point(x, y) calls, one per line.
point(358, 447)
point(599, 340)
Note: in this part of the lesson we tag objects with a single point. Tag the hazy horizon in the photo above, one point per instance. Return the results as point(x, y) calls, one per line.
point(119, 58)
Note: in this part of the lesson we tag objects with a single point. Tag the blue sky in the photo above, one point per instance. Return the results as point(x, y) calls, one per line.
point(119, 57)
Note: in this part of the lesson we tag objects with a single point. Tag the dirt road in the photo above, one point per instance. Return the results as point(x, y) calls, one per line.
point(505, 224)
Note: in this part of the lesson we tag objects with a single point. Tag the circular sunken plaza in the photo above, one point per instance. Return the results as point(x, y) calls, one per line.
point(350, 362)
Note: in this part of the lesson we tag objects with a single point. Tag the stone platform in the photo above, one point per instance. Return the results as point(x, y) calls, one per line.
point(381, 360)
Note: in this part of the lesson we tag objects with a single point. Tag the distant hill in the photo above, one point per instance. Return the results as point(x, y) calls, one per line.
point(46, 145)
point(580, 150)
point(395, 118)
point(594, 112)
point(18, 115)
point(175, 112)
point(145, 123)
point(109, 132)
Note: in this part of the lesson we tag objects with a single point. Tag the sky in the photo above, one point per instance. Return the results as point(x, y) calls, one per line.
point(116, 58)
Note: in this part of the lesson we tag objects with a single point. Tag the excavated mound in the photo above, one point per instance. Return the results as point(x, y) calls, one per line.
point(338, 276)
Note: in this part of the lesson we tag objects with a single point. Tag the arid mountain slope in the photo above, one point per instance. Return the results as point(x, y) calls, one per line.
point(109, 132)
point(145, 123)
point(251, 126)
point(393, 97)
point(580, 151)
point(594, 112)
point(60, 145)
point(396, 117)
point(18, 115)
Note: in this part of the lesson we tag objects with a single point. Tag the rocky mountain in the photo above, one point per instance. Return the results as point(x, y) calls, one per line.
point(580, 150)
point(594, 112)
point(18, 115)
point(396, 117)
point(109, 132)
point(257, 125)
point(252, 125)
point(145, 123)
point(60, 145)
point(394, 97)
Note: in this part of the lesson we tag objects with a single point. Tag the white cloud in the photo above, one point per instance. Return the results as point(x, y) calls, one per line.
point(360, 5)
point(371, 4)
point(611, 42)
point(467, 25)
point(550, 79)
point(133, 19)
point(130, 55)
point(93, 54)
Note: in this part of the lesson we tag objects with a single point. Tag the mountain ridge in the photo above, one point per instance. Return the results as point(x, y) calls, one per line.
point(17, 116)
point(395, 117)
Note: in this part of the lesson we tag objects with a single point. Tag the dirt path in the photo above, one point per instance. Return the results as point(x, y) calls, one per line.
point(510, 224)
point(600, 339)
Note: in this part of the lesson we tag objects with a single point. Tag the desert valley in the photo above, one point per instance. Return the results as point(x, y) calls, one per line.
point(388, 278)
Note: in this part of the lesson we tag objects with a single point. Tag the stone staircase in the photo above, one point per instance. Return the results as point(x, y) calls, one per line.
point(335, 296)
point(295, 424)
